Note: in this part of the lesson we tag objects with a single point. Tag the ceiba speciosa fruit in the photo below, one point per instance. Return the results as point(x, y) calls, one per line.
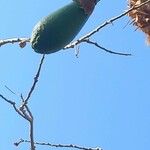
point(58, 29)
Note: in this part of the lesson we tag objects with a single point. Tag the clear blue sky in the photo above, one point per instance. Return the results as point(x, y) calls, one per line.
point(98, 99)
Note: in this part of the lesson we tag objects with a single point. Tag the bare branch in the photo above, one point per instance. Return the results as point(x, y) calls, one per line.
point(35, 80)
point(24, 107)
point(24, 110)
point(32, 135)
point(10, 90)
point(26, 114)
point(103, 48)
point(22, 41)
point(31, 132)
point(29, 112)
point(14, 106)
point(58, 145)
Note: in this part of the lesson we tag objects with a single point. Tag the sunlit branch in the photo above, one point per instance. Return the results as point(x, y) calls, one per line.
point(22, 41)
point(57, 145)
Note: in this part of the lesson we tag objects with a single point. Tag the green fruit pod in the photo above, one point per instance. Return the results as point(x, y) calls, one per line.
point(58, 29)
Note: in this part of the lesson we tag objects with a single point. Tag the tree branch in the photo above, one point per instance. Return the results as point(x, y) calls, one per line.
point(35, 80)
point(14, 106)
point(24, 110)
point(57, 145)
point(103, 48)
point(32, 133)
point(26, 114)
point(22, 41)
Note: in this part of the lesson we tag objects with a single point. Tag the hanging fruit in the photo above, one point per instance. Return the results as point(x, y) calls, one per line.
point(58, 29)
point(141, 16)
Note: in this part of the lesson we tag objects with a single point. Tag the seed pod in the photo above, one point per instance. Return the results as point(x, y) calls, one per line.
point(58, 29)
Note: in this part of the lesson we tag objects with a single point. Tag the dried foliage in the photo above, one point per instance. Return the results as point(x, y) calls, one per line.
point(141, 16)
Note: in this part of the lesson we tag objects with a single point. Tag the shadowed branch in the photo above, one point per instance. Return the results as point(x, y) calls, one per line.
point(35, 80)
point(103, 48)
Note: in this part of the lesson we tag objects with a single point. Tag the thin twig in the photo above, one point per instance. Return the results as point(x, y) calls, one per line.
point(10, 90)
point(35, 80)
point(57, 145)
point(106, 50)
point(14, 106)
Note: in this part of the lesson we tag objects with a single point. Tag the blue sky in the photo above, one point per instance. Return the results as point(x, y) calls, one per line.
point(98, 99)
